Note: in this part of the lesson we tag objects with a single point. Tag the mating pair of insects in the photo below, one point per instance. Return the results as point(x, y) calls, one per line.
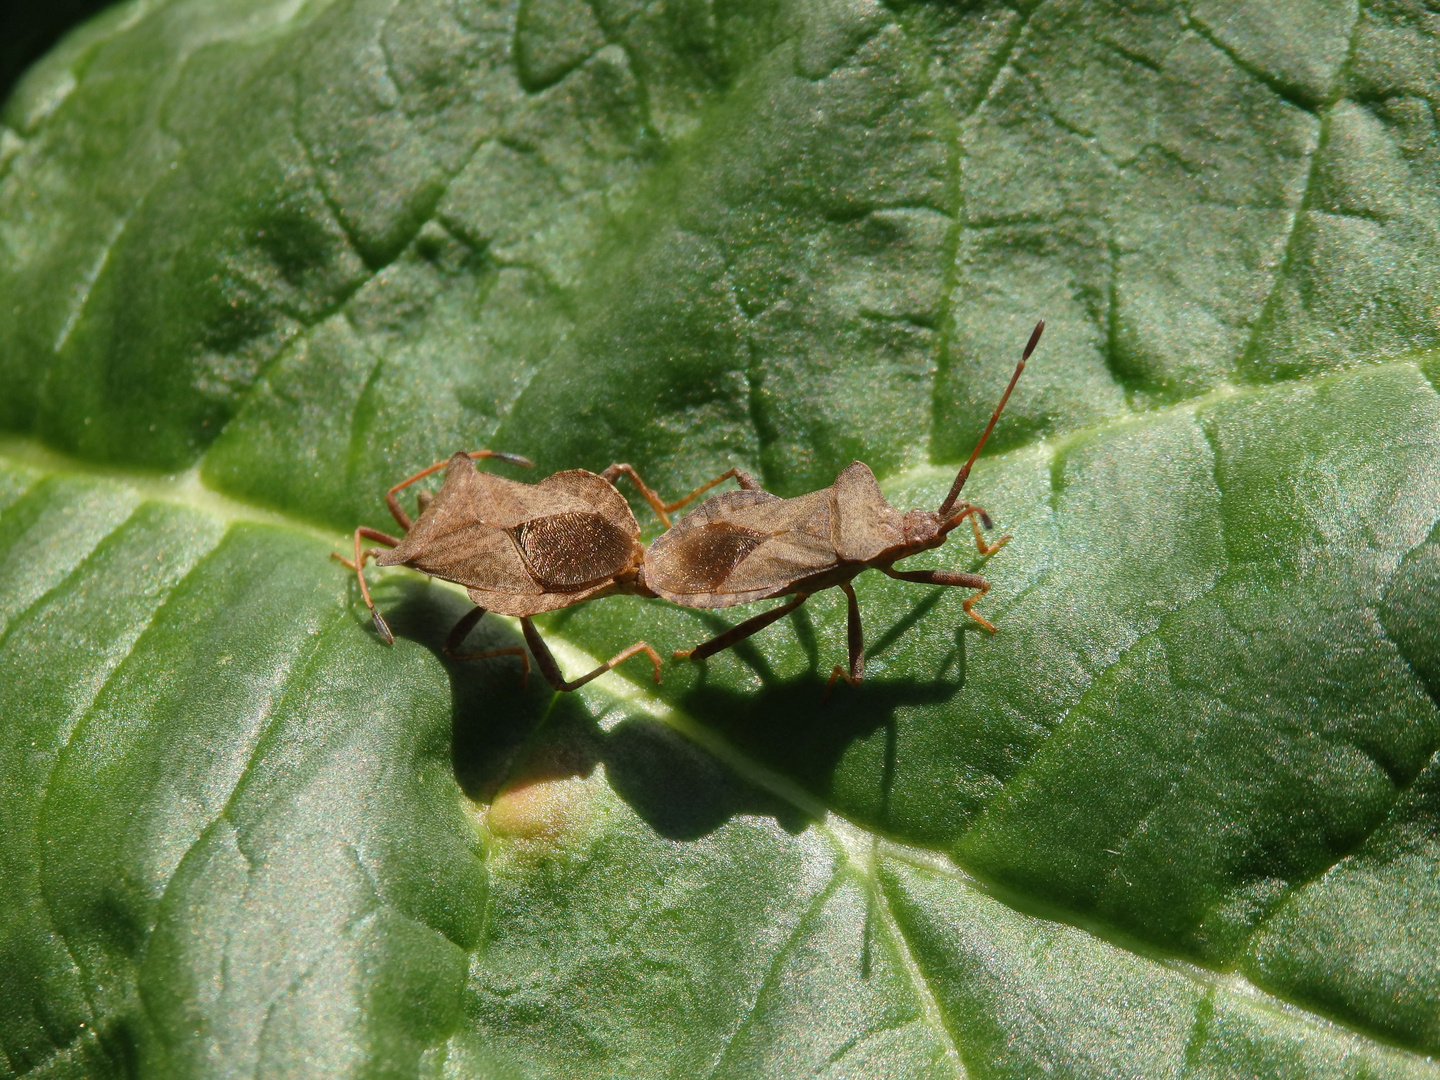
point(521, 549)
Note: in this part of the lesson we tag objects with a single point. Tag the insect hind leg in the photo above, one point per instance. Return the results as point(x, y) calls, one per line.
point(361, 557)
point(545, 660)
point(461, 630)
point(740, 631)
point(662, 509)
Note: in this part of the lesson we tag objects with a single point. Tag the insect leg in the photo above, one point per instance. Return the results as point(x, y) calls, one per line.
point(661, 508)
point(951, 577)
point(741, 631)
point(977, 514)
point(856, 641)
point(394, 504)
point(461, 630)
point(743, 478)
point(361, 557)
point(619, 469)
point(551, 670)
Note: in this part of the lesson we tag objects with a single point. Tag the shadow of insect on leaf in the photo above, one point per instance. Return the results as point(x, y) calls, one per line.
point(492, 716)
point(785, 727)
point(502, 735)
point(788, 725)
point(677, 787)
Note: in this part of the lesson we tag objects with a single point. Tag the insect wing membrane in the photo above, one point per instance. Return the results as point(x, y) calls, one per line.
point(578, 490)
point(582, 533)
point(573, 549)
point(699, 560)
point(740, 546)
point(799, 545)
point(695, 556)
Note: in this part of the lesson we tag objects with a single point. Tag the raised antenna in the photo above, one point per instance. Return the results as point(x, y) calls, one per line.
point(964, 473)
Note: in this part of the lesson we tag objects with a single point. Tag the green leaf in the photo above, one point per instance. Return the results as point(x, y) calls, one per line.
point(1179, 817)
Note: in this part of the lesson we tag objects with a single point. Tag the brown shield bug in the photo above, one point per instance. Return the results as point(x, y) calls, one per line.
point(520, 549)
point(750, 545)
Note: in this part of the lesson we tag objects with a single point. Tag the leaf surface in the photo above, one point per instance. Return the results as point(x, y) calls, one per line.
point(1177, 818)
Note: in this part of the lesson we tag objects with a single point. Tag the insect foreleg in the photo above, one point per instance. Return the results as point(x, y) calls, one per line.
point(551, 670)
point(977, 514)
point(951, 577)
point(461, 630)
point(856, 641)
point(361, 557)
point(740, 632)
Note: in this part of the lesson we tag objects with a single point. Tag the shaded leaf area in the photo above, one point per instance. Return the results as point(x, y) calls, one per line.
point(329, 242)
point(236, 841)
point(1134, 746)
point(28, 33)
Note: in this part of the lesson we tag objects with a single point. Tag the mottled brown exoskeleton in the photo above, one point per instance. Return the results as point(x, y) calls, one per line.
point(750, 545)
point(520, 549)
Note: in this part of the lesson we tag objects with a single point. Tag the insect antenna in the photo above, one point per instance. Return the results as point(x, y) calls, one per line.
point(964, 473)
